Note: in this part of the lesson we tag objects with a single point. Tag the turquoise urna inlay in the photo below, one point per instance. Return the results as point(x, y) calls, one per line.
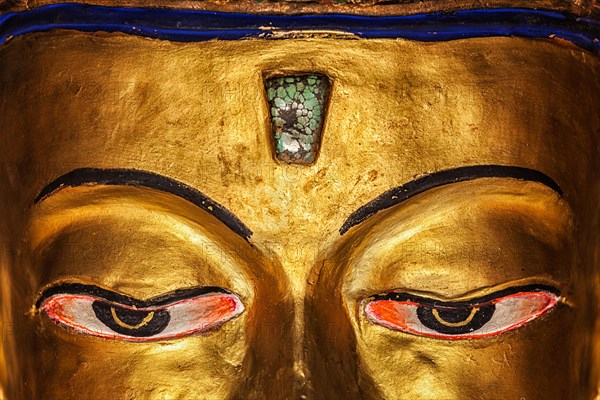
point(297, 108)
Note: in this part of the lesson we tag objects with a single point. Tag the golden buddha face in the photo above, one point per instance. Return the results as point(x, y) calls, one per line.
point(443, 243)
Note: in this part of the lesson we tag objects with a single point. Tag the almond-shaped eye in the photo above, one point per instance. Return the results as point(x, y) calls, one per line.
point(97, 316)
point(480, 318)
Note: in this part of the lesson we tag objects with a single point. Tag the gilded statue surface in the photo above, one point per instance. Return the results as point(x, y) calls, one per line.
point(300, 200)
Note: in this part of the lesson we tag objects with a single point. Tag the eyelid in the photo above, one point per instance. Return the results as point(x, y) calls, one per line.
point(442, 178)
point(75, 235)
point(89, 203)
point(175, 315)
point(147, 180)
point(123, 300)
point(482, 300)
point(541, 281)
point(433, 233)
point(478, 318)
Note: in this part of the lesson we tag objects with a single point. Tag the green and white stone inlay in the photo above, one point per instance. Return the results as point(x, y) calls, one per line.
point(297, 106)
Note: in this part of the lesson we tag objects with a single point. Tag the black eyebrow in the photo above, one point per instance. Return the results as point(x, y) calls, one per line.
point(445, 177)
point(110, 296)
point(138, 178)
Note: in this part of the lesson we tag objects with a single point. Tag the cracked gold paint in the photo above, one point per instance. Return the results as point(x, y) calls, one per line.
point(197, 112)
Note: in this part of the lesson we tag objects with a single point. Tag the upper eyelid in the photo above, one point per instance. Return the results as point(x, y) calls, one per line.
point(396, 237)
point(475, 184)
point(441, 178)
point(118, 203)
point(108, 295)
point(204, 239)
point(402, 296)
point(150, 180)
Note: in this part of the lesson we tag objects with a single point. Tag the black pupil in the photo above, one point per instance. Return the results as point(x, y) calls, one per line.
point(128, 322)
point(455, 320)
point(130, 317)
point(454, 315)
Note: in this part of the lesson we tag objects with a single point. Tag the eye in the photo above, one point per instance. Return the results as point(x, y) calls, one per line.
point(484, 317)
point(97, 312)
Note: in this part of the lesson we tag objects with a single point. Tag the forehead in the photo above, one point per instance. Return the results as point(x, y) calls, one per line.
point(197, 112)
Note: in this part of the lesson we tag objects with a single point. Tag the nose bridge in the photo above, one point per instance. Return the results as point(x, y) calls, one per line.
point(295, 252)
point(298, 259)
point(299, 337)
point(301, 373)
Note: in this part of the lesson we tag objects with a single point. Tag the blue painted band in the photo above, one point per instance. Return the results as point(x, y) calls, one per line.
point(194, 25)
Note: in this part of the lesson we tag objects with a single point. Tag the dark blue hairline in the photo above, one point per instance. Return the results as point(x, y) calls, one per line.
point(195, 25)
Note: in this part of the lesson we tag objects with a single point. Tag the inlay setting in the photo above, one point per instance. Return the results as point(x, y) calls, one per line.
point(297, 107)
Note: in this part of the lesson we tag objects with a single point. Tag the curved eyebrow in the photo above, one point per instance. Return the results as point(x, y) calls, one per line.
point(445, 177)
point(138, 178)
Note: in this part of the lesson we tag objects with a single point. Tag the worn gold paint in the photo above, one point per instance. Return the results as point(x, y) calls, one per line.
point(197, 112)
point(361, 7)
